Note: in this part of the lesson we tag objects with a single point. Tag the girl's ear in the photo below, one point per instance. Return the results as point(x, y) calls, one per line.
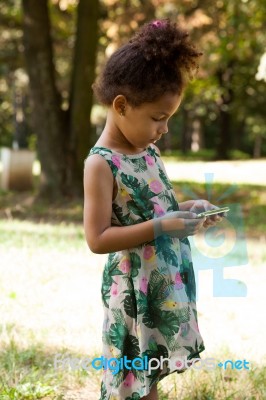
point(119, 104)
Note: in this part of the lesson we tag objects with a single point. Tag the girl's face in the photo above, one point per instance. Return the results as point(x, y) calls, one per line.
point(146, 123)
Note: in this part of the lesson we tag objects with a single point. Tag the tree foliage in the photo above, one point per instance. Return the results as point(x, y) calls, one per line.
point(223, 108)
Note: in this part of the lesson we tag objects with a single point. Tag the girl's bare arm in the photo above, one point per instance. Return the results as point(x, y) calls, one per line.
point(100, 235)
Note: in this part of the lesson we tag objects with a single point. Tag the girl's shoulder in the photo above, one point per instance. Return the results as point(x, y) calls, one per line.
point(100, 161)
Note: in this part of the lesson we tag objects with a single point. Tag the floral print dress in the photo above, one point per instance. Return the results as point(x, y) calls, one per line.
point(148, 292)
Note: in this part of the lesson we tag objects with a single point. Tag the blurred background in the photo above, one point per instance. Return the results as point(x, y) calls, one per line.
point(50, 54)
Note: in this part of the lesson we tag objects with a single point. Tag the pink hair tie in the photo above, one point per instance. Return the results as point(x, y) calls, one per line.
point(158, 24)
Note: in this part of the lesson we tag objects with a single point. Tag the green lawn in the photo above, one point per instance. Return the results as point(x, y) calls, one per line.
point(251, 199)
point(49, 303)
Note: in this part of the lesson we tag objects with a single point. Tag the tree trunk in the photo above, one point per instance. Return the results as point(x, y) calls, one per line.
point(81, 96)
point(257, 146)
point(224, 139)
point(196, 135)
point(47, 116)
point(185, 132)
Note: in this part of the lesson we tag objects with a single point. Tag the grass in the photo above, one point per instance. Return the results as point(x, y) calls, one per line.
point(251, 198)
point(49, 303)
point(30, 374)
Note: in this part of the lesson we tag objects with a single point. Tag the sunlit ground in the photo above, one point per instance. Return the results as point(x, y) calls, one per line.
point(50, 295)
point(249, 171)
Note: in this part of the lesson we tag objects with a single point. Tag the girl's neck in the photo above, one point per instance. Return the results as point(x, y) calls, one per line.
point(112, 138)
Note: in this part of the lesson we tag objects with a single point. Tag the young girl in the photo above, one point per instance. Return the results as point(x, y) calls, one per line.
point(131, 212)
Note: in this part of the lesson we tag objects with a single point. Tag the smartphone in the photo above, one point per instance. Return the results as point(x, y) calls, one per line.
point(213, 212)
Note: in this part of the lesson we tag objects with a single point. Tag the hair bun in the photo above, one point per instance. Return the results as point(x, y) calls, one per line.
point(161, 39)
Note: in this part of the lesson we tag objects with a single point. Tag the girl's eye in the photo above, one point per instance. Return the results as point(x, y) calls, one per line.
point(157, 120)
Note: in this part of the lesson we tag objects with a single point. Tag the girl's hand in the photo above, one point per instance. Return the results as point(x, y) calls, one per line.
point(178, 224)
point(204, 205)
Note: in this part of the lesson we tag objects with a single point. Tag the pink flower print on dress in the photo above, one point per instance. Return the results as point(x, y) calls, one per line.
point(148, 253)
point(130, 378)
point(114, 286)
point(179, 364)
point(155, 186)
point(114, 289)
point(178, 281)
point(144, 285)
point(158, 210)
point(124, 265)
point(149, 160)
point(116, 161)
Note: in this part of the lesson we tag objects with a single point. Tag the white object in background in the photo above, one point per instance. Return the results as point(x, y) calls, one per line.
point(17, 169)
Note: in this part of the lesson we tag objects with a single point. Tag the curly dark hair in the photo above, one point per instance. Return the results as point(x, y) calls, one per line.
point(159, 58)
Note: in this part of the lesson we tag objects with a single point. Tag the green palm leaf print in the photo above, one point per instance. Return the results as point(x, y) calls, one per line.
point(161, 351)
point(159, 287)
point(134, 208)
point(130, 306)
point(117, 379)
point(135, 263)
point(124, 219)
point(129, 181)
point(135, 396)
point(131, 349)
point(146, 193)
point(163, 248)
point(141, 302)
point(183, 314)
point(165, 321)
point(168, 323)
point(194, 353)
point(103, 392)
point(117, 335)
point(165, 179)
point(110, 270)
point(172, 343)
point(148, 318)
point(153, 153)
point(118, 316)
point(140, 164)
point(169, 255)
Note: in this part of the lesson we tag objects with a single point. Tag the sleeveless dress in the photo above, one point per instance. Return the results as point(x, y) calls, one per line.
point(148, 292)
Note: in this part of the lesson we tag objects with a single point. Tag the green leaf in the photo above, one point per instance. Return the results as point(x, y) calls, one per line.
point(118, 316)
point(169, 323)
point(183, 314)
point(140, 164)
point(130, 306)
point(165, 179)
point(141, 302)
point(130, 181)
point(117, 335)
point(135, 263)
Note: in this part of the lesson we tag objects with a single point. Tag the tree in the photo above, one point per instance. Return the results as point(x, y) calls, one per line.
point(62, 135)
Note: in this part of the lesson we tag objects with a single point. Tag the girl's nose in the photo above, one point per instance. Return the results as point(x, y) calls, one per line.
point(164, 129)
